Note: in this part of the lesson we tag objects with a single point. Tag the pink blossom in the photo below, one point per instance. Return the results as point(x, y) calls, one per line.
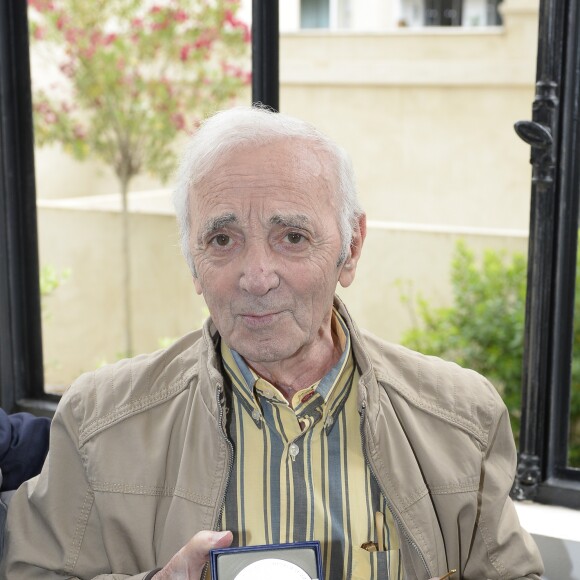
point(247, 32)
point(180, 15)
point(184, 52)
point(237, 23)
point(50, 117)
point(160, 25)
point(67, 69)
point(137, 23)
point(41, 5)
point(110, 38)
point(79, 132)
point(89, 52)
point(96, 37)
point(39, 33)
point(229, 17)
point(60, 22)
point(155, 9)
point(203, 42)
point(178, 121)
point(71, 35)
point(42, 107)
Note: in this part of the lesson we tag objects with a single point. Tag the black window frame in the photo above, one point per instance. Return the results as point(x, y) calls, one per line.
point(21, 368)
point(554, 135)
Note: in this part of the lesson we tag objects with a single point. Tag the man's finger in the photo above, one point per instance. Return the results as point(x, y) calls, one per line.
point(188, 563)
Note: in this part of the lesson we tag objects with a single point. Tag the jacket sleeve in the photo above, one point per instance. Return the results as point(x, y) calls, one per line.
point(501, 548)
point(52, 528)
point(23, 447)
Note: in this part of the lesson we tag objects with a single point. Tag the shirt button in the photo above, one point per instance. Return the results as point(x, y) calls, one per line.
point(294, 451)
point(256, 415)
point(329, 421)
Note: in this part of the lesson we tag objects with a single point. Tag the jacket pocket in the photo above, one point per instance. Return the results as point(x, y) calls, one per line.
point(376, 565)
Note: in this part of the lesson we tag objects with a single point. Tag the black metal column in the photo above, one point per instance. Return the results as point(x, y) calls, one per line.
point(552, 134)
point(21, 373)
point(265, 53)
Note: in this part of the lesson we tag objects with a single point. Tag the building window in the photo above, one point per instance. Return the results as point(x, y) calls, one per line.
point(417, 13)
point(314, 13)
point(493, 17)
point(443, 12)
point(329, 14)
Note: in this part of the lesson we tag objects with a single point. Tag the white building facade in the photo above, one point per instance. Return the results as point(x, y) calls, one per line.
point(374, 15)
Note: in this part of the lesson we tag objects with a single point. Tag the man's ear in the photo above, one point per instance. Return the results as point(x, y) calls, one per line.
point(197, 285)
point(348, 269)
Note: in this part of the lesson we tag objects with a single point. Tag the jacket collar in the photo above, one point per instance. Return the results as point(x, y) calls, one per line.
point(367, 395)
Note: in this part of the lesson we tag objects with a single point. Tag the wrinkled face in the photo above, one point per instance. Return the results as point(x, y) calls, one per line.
point(265, 244)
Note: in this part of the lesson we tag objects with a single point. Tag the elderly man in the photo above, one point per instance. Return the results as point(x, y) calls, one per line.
point(280, 420)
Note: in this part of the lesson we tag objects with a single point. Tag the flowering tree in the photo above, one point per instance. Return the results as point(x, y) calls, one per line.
point(132, 75)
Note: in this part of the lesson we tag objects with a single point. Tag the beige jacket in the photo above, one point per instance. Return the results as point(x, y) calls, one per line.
point(139, 462)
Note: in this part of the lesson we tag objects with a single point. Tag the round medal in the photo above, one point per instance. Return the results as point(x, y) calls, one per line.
point(272, 568)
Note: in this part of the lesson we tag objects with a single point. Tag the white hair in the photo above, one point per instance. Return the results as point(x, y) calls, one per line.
point(226, 130)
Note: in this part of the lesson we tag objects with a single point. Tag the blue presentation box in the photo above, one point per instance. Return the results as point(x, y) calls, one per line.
point(228, 563)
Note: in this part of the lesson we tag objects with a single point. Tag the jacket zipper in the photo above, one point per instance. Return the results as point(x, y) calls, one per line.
point(231, 456)
point(230, 466)
point(387, 500)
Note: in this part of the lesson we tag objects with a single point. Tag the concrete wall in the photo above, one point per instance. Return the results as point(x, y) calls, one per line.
point(83, 327)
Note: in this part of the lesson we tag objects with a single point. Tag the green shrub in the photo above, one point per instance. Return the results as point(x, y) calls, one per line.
point(50, 280)
point(483, 328)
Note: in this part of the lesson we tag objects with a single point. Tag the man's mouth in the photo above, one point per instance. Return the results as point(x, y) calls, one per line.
point(259, 320)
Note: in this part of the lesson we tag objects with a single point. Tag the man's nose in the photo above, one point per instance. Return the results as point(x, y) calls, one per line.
point(259, 274)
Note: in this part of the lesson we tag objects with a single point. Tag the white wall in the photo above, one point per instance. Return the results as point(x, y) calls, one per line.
point(556, 531)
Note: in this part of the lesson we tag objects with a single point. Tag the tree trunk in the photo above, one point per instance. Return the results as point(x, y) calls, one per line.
point(126, 264)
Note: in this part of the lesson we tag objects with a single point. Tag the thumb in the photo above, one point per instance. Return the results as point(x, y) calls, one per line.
point(191, 559)
point(200, 545)
point(221, 539)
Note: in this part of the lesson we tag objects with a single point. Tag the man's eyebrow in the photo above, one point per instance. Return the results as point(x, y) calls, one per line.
point(290, 220)
point(215, 224)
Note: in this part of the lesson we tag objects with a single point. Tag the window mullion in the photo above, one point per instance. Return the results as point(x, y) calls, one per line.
point(21, 372)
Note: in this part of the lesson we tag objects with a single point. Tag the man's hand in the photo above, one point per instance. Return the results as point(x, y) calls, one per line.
point(188, 563)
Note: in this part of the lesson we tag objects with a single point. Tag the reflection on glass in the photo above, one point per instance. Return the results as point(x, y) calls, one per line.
point(426, 120)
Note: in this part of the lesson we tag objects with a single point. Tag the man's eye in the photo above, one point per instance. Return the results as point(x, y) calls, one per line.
point(294, 237)
point(221, 240)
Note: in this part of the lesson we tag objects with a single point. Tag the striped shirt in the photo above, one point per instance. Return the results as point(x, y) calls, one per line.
point(300, 473)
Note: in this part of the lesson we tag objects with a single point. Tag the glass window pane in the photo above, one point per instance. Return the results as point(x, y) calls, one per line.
point(117, 86)
point(428, 120)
